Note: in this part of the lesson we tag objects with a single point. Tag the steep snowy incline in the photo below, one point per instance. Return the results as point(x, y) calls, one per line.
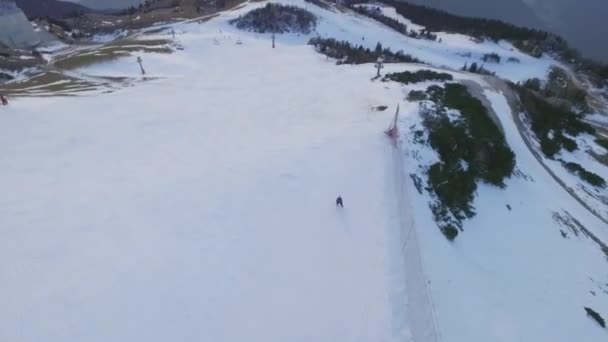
point(201, 207)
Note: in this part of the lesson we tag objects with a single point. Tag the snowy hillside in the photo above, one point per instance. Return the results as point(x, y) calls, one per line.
point(197, 202)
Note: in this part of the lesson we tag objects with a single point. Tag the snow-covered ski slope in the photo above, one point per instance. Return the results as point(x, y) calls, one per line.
point(453, 51)
point(199, 205)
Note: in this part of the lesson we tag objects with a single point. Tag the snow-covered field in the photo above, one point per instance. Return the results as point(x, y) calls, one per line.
point(200, 206)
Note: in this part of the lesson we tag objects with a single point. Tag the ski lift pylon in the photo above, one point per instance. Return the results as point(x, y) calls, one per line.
point(392, 130)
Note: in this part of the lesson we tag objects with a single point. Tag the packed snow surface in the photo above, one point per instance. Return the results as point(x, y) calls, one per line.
point(200, 205)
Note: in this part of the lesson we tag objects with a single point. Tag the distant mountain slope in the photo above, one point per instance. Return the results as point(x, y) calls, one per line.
point(49, 8)
point(581, 22)
point(16, 32)
point(108, 4)
point(514, 11)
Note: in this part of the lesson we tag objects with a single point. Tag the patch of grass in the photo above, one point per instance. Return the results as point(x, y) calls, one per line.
point(49, 82)
point(408, 77)
point(585, 175)
point(113, 51)
point(138, 42)
point(596, 317)
point(82, 60)
point(550, 123)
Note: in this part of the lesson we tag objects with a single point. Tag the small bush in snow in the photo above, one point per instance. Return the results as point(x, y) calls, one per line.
point(416, 95)
point(349, 54)
point(491, 58)
point(477, 69)
point(569, 144)
point(417, 182)
point(587, 176)
point(450, 232)
point(533, 84)
point(408, 77)
point(596, 316)
point(602, 142)
point(551, 123)
point(274, 18)
point(5, 77)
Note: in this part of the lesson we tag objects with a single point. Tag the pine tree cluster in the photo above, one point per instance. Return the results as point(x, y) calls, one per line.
point(276, 18)
point(551, 123)
point(418, 76)
point(471, 148)
point(346, 53)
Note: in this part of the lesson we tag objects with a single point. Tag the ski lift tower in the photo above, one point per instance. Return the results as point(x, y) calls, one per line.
point(379, 66)
point(393, 130)
point(140, 61)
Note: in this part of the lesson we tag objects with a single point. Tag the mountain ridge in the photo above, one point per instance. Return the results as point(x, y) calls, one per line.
point(50, 8)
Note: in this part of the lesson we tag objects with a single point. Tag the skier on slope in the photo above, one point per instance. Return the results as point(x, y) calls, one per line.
point(3, 100)
point(339, 202)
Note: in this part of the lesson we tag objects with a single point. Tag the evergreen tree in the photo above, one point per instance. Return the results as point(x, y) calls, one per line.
point(378, 49)
point(474, 68)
